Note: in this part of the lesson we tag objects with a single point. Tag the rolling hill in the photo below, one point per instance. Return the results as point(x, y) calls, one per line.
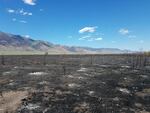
point(16, 44)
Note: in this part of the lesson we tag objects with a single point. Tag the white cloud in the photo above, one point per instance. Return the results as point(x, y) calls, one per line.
point(23, 21)
point(88, 29)
point(127, 33)
point(94, 39)
point(30, 2)
point(22, 12)
point(90, 38)
point(98, 39)
point(25, 13)
point(30, 14)
point(91, 34)
point(19, 11)
point(85, 37)
point(11, 11)
point(124, 31)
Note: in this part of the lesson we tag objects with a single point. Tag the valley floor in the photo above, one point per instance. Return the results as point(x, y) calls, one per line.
point(74, 89)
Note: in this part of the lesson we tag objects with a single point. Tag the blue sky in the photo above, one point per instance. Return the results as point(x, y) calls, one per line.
point(123, 24)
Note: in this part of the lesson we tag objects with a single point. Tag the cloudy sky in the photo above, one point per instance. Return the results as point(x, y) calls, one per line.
point(123, 24)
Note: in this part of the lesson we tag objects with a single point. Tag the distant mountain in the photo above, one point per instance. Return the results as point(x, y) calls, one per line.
point(16, 43)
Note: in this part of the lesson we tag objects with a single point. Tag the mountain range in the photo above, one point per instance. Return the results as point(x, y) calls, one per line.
point(17, 44)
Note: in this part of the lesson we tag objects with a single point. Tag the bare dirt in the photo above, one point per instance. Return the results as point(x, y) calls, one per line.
point(10, 101)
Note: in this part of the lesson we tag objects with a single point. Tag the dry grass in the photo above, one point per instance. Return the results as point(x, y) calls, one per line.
point(11, 101)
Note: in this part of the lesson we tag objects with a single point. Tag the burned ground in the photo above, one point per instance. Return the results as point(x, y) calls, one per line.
point(70, 85)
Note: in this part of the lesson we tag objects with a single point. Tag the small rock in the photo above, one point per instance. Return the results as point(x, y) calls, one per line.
point(139, 105)
point(123, 90)
point(116, 99)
